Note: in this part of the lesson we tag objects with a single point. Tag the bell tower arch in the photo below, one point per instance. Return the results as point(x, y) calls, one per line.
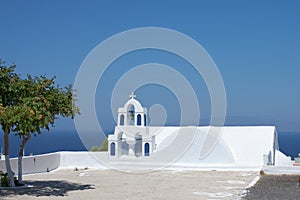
point(132, 113)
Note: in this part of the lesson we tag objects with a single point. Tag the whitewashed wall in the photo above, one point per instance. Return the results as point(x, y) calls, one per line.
point(83, 159)
point(52, 161)
point(35, 164)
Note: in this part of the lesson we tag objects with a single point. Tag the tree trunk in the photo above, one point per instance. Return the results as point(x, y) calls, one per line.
point(7, 161)
point(25, 138)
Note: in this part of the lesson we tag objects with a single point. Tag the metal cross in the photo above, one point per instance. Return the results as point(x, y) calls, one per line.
point(132, 95)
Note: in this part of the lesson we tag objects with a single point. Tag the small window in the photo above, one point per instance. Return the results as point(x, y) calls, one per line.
point(112, 149)
point(122, 120)
point(139, 120)
point(147, 149)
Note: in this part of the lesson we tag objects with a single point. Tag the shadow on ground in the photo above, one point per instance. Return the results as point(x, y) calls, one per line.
point(45, 188)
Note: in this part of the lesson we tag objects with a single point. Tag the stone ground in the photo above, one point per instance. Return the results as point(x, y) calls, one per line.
point(109, 184)
point(275, 187)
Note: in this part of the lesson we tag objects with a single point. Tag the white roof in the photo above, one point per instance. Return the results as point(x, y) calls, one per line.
point(233, 145)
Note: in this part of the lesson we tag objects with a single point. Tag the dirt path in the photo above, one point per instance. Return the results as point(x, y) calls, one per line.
point(108, 184)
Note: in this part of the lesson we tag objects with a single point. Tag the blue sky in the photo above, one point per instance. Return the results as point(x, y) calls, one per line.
point(255, 45)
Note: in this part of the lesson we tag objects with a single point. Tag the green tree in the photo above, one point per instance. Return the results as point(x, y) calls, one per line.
point(8, 98)
point(28, 106)
point(40, 103)
point(102, 147)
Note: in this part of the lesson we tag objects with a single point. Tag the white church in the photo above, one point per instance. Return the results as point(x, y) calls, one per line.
point(132, 136)
point(233, 146)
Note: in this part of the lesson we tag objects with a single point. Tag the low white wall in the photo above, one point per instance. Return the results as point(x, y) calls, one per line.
point(52, 161)
point(282, 160)
point(35, 164)
point(82, 159)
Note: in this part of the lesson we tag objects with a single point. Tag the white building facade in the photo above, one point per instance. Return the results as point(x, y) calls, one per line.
point(131, 136)
point(235, 146)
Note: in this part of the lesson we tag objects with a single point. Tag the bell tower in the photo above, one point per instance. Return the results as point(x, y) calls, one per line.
point(131, 137)
point(132, 114)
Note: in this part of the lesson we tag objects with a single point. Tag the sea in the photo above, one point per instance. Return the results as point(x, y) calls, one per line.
point(53, 141)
